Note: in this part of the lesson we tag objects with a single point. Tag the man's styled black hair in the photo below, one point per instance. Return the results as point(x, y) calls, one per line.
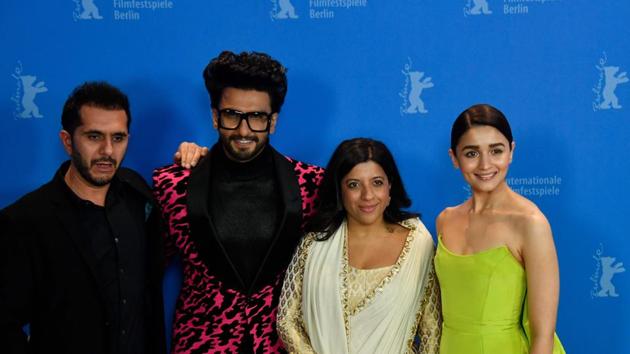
point(247, 71)
point(98, 94)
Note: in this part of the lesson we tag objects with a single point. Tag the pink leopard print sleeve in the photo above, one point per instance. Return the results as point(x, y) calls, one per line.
point(309, 178)
point(165, 182)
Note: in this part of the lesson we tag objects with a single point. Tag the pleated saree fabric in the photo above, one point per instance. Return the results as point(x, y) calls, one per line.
point(385, 321)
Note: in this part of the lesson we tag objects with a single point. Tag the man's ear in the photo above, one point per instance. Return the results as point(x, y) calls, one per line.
point(215, 119)
point(274, 119)
point(66, 140)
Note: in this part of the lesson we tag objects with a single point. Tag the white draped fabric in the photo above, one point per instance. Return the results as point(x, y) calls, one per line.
point(386, 321)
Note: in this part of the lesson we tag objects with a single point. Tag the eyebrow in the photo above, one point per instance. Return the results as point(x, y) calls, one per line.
point(101, 133)
point(477, 146)
point(372, 178)
point(247, 112)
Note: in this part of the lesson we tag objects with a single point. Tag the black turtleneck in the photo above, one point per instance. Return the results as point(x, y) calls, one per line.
point(244, 206)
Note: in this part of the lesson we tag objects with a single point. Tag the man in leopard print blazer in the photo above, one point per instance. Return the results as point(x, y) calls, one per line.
point(236, 218)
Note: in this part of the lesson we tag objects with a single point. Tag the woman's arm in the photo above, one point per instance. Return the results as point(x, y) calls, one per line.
point(290, 322)
point(430, 327)
point(439, 222)
point(543, 282)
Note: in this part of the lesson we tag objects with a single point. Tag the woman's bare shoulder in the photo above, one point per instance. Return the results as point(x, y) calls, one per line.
point(528, 219)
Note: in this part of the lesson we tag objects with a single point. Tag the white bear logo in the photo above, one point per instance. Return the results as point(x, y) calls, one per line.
point(611, 82)
point(286, 10)
point(88, 10)
point(30, 89)
point(417, 86)
point(609, 269)
point(477, 7)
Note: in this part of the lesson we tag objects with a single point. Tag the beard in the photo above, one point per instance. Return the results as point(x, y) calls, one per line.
point(84, 168)
point(242, 155)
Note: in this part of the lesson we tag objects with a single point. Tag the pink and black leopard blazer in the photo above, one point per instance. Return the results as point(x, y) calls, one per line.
point(215, 312)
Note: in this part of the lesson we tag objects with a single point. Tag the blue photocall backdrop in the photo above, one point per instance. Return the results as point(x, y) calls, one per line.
point(398, 71)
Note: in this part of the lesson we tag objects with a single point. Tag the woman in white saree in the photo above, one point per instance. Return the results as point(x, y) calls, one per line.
point(362, 279)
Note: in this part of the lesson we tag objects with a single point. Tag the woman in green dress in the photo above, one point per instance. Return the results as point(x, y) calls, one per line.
point(496, 260)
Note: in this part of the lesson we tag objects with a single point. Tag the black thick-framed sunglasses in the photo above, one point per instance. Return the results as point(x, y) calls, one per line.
point(230, 119)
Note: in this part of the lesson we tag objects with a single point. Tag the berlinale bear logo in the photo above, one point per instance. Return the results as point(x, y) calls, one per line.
point(86, 10)
point(477, 7)
point(609, 269)
point(28, 98)
point(605, 270)
point(608, 80)
point(417, 86)
point(415, 83)
point(611, 82)
point(27, 89)
point(282, 10)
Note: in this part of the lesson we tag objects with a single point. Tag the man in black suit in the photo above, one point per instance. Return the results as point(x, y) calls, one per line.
point(81, 257)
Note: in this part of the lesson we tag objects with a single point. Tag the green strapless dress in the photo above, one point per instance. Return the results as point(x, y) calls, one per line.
point(483, 303)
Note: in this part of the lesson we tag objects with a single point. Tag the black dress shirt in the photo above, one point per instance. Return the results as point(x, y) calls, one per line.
point(117, 240)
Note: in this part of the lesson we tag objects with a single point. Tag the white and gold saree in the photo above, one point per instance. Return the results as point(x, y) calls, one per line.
point(314, 315)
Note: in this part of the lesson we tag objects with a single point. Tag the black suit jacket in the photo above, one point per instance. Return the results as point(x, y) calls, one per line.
point(48, 277)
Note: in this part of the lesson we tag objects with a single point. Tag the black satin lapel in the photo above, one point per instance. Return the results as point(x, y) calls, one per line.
point(288, 232)
point(202, 230)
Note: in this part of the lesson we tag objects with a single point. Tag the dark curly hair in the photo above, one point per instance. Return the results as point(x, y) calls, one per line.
point(248, 71)
point(98, 94)
point(330, 210)
point(479, 115)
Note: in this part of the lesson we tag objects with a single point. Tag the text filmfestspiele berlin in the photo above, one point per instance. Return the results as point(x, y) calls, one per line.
point(320, 9)
point(130, 9)
point(520, 7)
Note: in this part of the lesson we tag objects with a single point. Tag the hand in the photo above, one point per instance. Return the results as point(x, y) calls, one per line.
point(188, 154)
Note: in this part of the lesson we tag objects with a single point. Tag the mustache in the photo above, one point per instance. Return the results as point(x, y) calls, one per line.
point(104, 159)
point(253, 138)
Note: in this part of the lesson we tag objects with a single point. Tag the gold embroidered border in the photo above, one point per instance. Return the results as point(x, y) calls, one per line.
point(392, 272)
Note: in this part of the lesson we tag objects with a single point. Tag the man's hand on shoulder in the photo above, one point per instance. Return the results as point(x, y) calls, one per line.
point(188, 154)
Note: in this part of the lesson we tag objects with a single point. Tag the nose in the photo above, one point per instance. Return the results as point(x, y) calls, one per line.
point(484, 161)
point(367, 193)
point(243, 128)
point(107, 148)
